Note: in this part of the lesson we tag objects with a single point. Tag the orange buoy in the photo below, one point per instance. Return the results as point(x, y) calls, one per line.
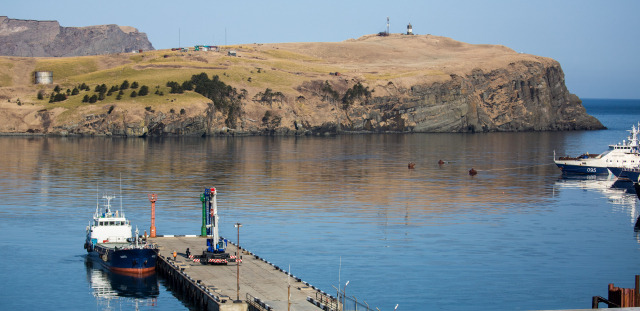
point(473, 172)
point(411, 165)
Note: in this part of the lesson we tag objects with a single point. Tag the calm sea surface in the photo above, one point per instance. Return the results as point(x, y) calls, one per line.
point(515, 237)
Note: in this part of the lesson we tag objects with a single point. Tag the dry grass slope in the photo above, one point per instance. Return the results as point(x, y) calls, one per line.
point(372, 60)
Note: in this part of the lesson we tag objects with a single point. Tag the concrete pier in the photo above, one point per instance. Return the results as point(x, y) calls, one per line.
point(263, 286)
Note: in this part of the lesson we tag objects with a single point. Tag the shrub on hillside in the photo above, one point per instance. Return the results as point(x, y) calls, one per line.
point(58, 97)
point(175, 87)
point(144, 90)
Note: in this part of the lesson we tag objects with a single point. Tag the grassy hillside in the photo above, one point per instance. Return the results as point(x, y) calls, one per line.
point(377, 62)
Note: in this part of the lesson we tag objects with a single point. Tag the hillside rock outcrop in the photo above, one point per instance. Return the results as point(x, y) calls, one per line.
point(526, 96)
point(31, 38)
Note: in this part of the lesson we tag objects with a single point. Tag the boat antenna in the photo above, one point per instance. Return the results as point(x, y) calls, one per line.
point(97, 198)
point(121, 195)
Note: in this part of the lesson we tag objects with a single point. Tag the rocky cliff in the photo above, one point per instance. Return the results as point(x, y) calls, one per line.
point(525, 96)
point(30, 38)
point(373, 84)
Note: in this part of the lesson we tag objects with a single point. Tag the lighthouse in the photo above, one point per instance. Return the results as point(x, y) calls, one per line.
point(409, 29)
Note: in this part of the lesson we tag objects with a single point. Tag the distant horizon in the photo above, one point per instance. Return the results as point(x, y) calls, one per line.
point(583, 98)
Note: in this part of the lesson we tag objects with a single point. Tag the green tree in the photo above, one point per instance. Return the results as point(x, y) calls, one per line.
point(41, 95)
point(75, 91)
point(58, 97)
point(187, 86)
point(134, 94)
point(144, 90)
point(134, 85)
point(356, 92)
point(175, 87)
point(56, 89)
point(124, 85)
point(93, 99)
point(85, 99)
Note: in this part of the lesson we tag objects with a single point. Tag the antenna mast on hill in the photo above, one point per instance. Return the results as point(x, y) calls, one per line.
point(387, 25)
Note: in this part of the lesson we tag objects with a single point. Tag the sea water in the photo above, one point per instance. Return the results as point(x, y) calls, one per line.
point(517, 236)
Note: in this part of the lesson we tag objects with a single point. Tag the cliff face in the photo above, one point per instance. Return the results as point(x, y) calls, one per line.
point(525, 96)
point(29, 38)
point(372, 84)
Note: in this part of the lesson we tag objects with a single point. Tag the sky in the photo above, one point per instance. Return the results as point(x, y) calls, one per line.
point(597, 43)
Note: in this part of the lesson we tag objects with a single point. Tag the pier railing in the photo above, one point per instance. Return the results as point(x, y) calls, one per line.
point(257, 304)
point(342, 303)
point(352, 304)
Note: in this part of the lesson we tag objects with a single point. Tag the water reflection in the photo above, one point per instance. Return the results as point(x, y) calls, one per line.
point(114, 290)
point(320, 199)
point(620, 193)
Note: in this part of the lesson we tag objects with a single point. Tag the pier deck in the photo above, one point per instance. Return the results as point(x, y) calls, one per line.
point(257, 277)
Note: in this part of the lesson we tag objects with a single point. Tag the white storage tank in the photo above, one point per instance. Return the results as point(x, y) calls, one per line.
point(44, 77)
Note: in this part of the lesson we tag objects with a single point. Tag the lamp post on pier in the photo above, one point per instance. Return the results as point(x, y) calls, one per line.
point(238, 225)
point(344, 294)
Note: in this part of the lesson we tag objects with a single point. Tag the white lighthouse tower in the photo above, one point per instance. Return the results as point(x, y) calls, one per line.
point(409, 29)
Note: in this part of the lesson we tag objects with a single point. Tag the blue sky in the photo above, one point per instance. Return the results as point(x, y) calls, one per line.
point(596, 42)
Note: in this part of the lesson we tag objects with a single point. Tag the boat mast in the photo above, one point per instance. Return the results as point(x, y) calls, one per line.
point(121, 196)
point(97, 200)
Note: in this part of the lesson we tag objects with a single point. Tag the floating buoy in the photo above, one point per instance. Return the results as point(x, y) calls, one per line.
point(411, 165)
point(473, 172)
point(440, 162)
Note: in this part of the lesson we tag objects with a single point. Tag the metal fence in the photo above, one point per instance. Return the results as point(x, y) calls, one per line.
point(342, 303)
point(352, 304)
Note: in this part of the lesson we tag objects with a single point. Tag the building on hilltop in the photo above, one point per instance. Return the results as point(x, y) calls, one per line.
point(409, 29)
point(43, 77)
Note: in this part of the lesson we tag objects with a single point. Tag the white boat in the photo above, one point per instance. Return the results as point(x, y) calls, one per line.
point(109, 239)
point(621, 155)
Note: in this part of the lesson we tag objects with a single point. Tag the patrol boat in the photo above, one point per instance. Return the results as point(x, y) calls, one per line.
point(625, 154)
point(109, 239)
